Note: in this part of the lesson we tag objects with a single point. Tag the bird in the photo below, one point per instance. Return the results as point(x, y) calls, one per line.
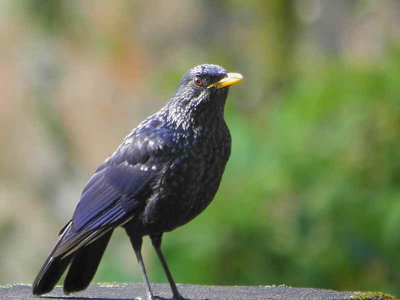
point(166, 172)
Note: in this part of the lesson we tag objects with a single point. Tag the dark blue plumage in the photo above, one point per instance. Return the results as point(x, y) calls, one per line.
point(166, 172)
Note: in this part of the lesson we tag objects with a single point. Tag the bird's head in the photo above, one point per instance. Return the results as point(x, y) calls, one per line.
point(202, 90)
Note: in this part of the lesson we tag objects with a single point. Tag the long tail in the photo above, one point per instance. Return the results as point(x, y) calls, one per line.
point(49, 274)
point(83, 265)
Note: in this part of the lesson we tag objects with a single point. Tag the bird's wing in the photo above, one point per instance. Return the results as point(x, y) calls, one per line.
point(112, 195)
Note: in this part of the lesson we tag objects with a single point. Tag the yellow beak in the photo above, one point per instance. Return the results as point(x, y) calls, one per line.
point(230, 79)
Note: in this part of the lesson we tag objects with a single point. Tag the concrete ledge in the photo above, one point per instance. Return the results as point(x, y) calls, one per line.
point(118, 291)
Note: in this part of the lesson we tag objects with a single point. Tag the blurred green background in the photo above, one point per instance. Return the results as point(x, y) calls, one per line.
point(311, 195)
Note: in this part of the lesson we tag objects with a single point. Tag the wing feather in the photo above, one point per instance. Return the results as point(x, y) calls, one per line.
point(111, 197)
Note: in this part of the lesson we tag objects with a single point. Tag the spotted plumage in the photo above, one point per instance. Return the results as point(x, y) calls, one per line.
point(166, 172)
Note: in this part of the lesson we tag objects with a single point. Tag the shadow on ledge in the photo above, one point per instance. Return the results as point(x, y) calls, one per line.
point(122, 291)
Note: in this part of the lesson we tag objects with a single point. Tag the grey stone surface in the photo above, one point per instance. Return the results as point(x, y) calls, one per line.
point(194, 292)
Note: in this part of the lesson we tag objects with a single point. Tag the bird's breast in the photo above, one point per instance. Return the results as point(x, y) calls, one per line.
point(188, 181)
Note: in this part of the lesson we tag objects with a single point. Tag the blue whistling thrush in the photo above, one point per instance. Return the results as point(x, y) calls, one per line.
point(165, 173)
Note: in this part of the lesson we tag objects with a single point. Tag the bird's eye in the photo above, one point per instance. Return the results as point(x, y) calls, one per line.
point(197, 81)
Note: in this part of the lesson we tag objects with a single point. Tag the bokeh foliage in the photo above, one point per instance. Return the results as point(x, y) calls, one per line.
point(311, 195)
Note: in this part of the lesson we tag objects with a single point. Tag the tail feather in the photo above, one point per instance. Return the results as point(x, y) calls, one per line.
point(84, 264)
point(49, 274)
point(53, 268)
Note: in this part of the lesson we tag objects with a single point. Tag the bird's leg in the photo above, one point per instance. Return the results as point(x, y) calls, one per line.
point(156, 241)
point(137, 247)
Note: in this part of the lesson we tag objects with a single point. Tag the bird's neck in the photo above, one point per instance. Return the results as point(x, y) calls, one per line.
point(189, 116)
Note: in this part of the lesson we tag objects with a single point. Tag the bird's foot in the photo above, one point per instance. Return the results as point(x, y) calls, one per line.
point(178, 297)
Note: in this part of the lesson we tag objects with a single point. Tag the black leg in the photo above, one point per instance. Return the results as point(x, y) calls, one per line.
point(137, 247)
point(156, 241)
